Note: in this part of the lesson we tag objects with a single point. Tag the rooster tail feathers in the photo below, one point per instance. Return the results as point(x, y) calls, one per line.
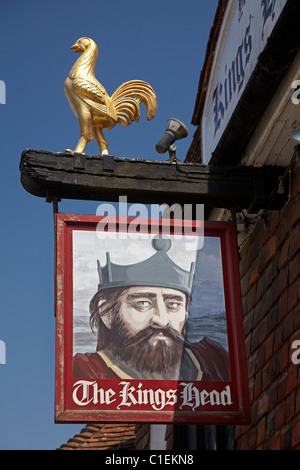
point(127, 99)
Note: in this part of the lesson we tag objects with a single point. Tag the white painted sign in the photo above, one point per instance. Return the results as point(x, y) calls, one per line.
point(246, 27)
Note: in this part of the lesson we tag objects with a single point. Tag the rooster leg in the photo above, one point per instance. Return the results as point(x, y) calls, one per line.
point(100, 139)
point(86, 133)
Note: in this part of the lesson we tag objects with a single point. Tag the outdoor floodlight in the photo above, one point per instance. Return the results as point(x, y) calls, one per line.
point(175, 130)
point(296, 136)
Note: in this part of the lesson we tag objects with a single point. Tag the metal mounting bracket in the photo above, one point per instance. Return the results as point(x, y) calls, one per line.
point(108, 163)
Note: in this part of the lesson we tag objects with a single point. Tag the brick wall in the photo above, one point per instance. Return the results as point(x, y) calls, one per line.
point(270, 282)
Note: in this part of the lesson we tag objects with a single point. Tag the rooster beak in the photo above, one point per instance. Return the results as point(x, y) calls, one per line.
point(75, 48)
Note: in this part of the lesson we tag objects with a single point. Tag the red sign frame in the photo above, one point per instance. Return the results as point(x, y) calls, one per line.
point(168, 401)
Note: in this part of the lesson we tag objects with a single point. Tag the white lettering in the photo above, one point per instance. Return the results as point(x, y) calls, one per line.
point(83, 386)
point(194, 398)
point(89, 392)
point(234, 79)
point(116, 460)
point(86, 392)
point(127, 394)
point(190, 395)
point(226, 396)
point(158, 399)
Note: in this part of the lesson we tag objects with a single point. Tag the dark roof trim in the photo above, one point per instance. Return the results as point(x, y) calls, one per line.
point(208, 60)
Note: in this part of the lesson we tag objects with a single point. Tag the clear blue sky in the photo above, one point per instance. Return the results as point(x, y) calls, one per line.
point(162, 42)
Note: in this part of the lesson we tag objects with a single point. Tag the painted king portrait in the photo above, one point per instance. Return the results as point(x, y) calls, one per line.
point(156, 311)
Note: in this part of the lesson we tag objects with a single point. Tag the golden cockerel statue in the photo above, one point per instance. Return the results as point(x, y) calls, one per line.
point(94, 108)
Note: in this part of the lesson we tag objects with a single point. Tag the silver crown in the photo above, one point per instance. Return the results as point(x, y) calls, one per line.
point(157, 271)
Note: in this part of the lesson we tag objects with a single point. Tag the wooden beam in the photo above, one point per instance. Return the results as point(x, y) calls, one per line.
point(47, 174)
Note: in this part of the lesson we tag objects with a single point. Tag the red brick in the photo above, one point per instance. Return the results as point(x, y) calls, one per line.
point(254, 339)
point(240, 430)
point(294, 265)
point(245, 262)
point(275, 366)
point(270, 422)
point(272, 395)
point(284, 356)
point(257, 384)
point(283, 306)
point(249, 300)
point(254, 410)
point(261, 356)
point(259, 333)
point(281, 389)
point(292, 381)
point(258, 314)
point(275, 442)
point(263, 405)
point(279, 415)
point(288, 220)
point(297, 402)
point(273, 317)
point(269, 345)
point(248, 345)
point(290, 407)
point(245, 282)
point(278, 337)
point(248, 322)
point(251, 389)
point(283, 259)
point(272, 320)
point(252, 365)
point(296, 312)
point(252, 439)
point(274, 220)
point(295, 335)
point(280, 284)
point(266, 301)
point(272, 270)
point(261, 431)
point(262, 234)
point(294, 244)
point(260, 288)
point(266, 377)
point(271, 248)
point(286, 438)
point(288, 326)
point(296, 433)
point(292, 295)
point(243, 443)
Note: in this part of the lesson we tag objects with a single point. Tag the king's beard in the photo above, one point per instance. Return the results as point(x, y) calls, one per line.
point(152, 350)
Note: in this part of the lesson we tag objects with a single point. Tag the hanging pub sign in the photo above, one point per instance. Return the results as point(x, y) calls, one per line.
point(149, 322)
